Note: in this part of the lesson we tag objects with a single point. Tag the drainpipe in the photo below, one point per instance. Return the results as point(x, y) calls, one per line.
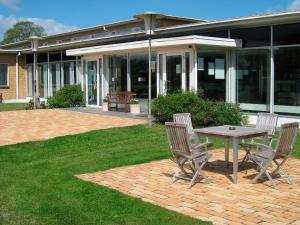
point(17, 75)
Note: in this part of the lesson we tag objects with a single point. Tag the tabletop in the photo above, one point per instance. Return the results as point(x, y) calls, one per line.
point(227, 132)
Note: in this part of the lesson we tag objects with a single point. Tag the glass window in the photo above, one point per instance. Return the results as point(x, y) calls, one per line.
point(253, 79)
point(287, 80)
point(30, 80)
point(43, 79)
point(117, 66)
point(3, 74)
point(253, 37)
point(42, 57)
point(29, 58)
point(54, 56)
point(139, 74)
point(287, 34)
point(211, 74)
point(55, 78)
point(187, 70)
point(69, 73)
point(92, 82)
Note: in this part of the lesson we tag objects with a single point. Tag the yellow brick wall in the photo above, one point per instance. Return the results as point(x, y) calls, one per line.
point(9, 93)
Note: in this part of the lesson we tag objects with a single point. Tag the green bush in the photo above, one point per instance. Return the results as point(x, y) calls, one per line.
point(204, 112)
point(68, 96)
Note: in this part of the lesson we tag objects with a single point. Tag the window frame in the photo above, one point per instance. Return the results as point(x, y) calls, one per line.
point(7, 76)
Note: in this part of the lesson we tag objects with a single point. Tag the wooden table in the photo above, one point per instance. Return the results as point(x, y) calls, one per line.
point(236, 136)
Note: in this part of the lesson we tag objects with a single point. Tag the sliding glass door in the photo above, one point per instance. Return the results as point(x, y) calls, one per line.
point(92, 83)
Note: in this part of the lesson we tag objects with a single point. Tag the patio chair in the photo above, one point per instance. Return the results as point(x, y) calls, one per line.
point(265, 156)
point(185, 118)
point(265, 121)
point(190, 160)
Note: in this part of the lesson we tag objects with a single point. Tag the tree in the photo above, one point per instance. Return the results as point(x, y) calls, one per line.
point(21, 31)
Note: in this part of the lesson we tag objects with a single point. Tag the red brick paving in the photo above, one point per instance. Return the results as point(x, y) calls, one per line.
point(32, 125)
point(219, 201)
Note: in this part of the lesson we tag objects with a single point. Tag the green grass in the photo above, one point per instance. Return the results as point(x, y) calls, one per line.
point(38, 186)
point(12, 106)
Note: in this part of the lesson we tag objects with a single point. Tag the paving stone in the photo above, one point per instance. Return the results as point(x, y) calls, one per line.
point(32, 125)
point(220, 201)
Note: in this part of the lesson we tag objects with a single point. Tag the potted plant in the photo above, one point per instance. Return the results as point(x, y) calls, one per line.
point(105, 104)
point(135, 106)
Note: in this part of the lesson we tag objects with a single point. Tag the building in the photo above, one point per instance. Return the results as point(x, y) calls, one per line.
point(253, 61)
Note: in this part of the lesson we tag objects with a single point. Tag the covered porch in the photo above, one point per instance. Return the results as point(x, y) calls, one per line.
point(177, 63)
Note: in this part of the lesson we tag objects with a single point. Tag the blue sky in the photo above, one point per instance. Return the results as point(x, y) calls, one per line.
point(64, 15)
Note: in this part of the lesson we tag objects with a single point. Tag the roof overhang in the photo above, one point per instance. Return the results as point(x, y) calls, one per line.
point(158, 43)
point(10, 51)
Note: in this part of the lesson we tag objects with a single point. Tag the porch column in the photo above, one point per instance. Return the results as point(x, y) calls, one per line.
point(128, 73)
point(194, 71)
point(272, 75)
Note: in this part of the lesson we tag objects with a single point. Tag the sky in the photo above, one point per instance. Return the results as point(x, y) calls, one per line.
point(58, 16)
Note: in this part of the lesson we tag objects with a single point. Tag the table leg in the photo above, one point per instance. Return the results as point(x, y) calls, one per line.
point(235, 159)
point(226, 142)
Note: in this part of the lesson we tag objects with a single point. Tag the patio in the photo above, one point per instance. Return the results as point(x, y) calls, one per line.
point(32, 125)
point(219, 201)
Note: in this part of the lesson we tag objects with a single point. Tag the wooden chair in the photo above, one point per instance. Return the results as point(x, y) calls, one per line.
point(185, 118)
point(190, 160)
point(265, 155)
point(265, 121)
point(123, 97)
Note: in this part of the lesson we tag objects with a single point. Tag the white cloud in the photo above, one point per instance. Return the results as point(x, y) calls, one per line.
point(12, 4)
point(50, 25)
point(295, 5)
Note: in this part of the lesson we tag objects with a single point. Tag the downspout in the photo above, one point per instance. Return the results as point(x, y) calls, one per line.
point(17, 75)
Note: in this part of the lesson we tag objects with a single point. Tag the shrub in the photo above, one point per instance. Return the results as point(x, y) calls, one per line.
point(204, 112)
point(68, 96)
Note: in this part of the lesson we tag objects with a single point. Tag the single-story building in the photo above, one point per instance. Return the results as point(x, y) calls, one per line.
point(253, 61)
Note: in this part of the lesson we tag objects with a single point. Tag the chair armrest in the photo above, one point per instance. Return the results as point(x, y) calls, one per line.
point(262, 146)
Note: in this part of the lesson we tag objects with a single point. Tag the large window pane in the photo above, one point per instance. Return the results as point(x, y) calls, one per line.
point(43, 79)
point(253, 37)
point(211, 74)
point(117, 73)
point(55, 78)
point(92, 82)
point(139, 74)
point(253, 79)
point(69, 73)
point(287, 80)
point(287, 34)
point(30, 80)
point(3, 74)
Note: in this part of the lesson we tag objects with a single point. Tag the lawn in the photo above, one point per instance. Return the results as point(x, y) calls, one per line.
point(37, 183)
point(12, 106)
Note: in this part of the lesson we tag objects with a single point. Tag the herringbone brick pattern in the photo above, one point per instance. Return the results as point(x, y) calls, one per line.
point(32, 125)
point(219, 201)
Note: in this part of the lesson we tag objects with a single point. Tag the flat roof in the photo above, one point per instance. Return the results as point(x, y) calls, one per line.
point(156, 43)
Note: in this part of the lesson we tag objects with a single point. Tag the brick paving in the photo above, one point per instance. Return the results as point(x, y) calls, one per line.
point(32, 125)
point(220, 201)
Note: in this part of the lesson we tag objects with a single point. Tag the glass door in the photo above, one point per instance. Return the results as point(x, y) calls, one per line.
point(174, 73)
point(91, 83)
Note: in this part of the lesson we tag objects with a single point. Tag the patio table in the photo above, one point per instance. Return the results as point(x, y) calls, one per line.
point(235, 135)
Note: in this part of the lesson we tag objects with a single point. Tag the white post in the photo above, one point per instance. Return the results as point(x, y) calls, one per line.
point(17, 76)
point(272, 75)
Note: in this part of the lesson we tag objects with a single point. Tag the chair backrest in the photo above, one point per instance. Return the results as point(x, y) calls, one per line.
point(267, 121)
point(184, 118)
point(288, 134)
point(178, 138)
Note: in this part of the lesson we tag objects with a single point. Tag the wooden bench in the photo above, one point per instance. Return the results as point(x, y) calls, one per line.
point(123, 97)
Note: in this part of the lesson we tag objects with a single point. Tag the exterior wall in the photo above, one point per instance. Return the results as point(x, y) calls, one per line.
point(9, 93)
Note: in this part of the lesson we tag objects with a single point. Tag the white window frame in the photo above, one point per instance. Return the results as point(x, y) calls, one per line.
point(7, 75)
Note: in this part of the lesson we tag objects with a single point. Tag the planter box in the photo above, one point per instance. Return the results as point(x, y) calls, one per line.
point(135, 108)
point(105, 107)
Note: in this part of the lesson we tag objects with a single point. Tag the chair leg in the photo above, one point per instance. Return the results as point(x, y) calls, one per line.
point(245, 158)
point(282, 170)
point(198, 171)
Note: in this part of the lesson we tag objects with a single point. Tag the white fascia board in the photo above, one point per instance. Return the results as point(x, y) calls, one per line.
point(156, 43)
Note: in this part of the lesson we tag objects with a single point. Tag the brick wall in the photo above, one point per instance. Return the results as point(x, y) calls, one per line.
point(9, 93)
